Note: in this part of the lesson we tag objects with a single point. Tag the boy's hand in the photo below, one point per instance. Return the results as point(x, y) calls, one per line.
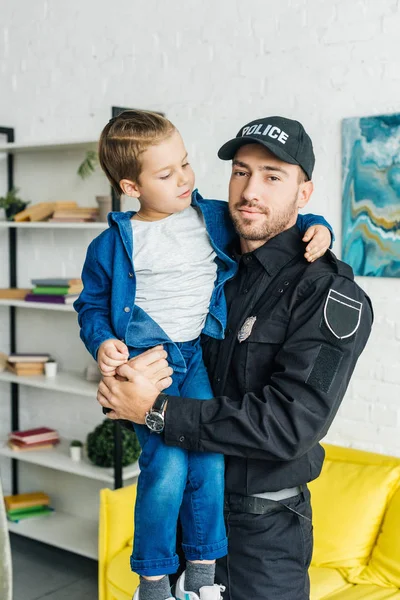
point(112, 353)
point(320, 239)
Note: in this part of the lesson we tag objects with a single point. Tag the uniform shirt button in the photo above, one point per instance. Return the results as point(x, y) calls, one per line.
point(218, 379)
point(130, 274)
point(127, 309)
point(182, 438)
point(280, 290)
point(286, 283)
point(245, 291)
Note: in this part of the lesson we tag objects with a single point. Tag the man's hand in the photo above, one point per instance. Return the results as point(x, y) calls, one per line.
point(320, 239)
point(130, 399)
point(137, 384)
point(111, 354)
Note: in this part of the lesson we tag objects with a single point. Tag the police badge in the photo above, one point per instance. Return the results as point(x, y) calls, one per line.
point(246, 329)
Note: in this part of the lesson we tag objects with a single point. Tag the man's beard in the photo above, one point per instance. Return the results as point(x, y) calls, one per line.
point(248, 230)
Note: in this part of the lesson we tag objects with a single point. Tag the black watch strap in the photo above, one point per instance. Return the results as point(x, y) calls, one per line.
point(159, 403)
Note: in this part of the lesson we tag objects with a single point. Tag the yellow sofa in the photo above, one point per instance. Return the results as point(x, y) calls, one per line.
point(356, 504)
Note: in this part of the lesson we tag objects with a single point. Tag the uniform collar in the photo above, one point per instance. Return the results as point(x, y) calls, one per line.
point(279, 250)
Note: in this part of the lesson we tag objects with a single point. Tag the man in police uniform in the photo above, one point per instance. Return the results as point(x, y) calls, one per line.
point(295, 331)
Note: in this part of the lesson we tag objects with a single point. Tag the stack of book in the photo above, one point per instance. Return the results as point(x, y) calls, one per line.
point(42, 210)
point(59, 290)
point(40, 438)
point(26, 364)
point(27, 506)
point(80, 214)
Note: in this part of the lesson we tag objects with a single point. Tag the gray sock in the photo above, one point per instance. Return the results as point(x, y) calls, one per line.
point(197, 575)
point(155, 589)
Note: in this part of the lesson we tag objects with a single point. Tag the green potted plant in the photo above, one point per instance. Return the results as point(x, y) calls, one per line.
point(89, 164)
point(100, 445)
point(75, 450)
point(12, 204)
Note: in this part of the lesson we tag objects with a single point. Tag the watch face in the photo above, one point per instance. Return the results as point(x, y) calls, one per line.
point(155, 421)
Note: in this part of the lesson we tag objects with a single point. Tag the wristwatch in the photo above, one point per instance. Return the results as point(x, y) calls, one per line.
point(154, 419)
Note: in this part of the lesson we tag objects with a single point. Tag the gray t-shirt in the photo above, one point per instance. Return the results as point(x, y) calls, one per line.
point(175, 272)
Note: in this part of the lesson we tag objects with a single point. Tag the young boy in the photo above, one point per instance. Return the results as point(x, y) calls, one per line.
point(156, 277)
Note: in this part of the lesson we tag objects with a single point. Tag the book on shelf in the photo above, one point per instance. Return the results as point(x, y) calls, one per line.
point(28, 514)
point(13, 293)
point(38, 434)
point(18, 514)
point(21, 447)
point(28, 357)
point(57, 290)
point(76, 215)
point(25, 368)
point(52, 298)
point(56, 281)
point(19, 501)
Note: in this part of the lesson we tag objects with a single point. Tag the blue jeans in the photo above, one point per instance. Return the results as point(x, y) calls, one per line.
point(174, 483)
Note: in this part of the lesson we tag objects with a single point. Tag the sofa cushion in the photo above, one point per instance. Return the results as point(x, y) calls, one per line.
point(325, 581)
point(122, 581)
point(384, 566)
point(349, 499)
point(364, 592)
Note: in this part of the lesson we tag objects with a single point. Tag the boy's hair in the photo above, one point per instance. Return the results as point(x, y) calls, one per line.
point(125, 138)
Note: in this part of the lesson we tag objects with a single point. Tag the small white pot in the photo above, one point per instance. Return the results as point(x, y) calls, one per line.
point(50, 369)
point(75, 453)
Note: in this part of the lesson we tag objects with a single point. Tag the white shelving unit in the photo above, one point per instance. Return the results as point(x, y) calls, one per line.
point(37, 305)
point(70, 383)
point(68, 532)
point(62, 529)
point(58, 458)
point(48, 146)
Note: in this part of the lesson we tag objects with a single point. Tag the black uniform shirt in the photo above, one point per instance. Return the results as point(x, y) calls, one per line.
point(295, 331)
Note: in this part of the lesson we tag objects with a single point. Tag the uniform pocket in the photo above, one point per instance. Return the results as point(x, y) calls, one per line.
point(259, 350)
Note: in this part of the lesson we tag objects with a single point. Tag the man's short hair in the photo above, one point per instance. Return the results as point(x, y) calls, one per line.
point(125, 138)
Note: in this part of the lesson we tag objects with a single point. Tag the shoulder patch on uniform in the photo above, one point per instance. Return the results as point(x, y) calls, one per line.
point(342, 314)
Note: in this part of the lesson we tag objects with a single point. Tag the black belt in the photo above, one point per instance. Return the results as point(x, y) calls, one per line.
point(236, 503)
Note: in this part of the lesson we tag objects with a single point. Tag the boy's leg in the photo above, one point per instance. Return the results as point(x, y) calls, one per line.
point(204, 536)
point(162, 479)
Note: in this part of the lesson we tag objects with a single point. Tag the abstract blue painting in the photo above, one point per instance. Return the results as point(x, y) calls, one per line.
point(371, 195)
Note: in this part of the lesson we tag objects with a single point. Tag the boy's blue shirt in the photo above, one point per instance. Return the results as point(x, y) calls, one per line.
point(106, 307)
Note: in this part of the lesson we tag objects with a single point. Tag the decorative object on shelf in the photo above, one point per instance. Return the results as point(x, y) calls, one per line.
point(100, 445)
point(12, 204)
point(75, 450)
point(89, 164)
point(105, 206)
point(50, 368)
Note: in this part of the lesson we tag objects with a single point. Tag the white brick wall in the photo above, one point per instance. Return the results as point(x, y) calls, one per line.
point(211, 67)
